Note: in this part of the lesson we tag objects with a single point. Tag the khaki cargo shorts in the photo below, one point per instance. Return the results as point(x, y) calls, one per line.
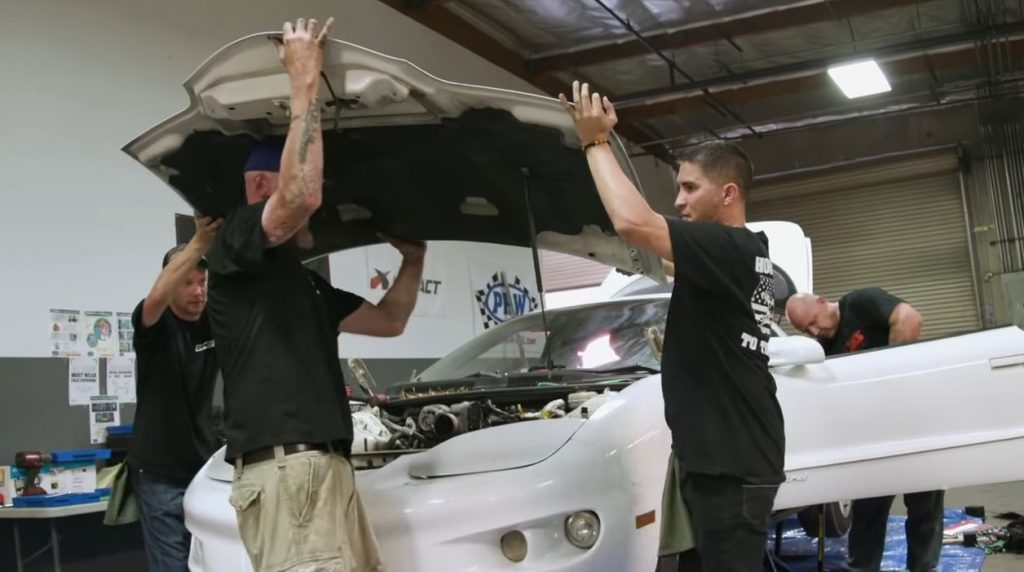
point(301, 513)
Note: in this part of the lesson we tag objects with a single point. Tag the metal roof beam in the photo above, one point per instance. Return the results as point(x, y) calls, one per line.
point(708, 32)
point(946, 52)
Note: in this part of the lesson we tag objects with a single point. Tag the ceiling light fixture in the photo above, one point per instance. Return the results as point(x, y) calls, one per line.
point(859, 79)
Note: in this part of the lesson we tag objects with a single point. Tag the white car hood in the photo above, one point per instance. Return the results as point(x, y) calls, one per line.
point(499, 448)
point(406, 153)
point(217, 468)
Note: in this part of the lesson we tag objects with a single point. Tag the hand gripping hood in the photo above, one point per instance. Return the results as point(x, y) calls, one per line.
point(406, 154)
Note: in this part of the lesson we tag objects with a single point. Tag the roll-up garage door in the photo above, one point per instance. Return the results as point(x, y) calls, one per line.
point(565, 272)
point(898, 225)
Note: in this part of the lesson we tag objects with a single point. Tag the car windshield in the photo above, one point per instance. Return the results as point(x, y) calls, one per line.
point(607, 336)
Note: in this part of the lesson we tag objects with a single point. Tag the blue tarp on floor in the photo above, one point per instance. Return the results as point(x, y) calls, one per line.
point(799, 551)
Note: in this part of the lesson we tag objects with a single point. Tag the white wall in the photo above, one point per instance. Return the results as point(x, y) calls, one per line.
point(84, 226)
point(431, 336)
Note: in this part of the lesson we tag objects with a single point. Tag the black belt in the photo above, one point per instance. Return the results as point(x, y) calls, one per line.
point(267, 453)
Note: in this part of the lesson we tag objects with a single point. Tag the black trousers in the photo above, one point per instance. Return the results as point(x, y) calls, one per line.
point(730, 521)
point(924, 531)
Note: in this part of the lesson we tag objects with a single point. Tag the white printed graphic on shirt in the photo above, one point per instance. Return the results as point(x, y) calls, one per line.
point(205, 346)
point(763, 304)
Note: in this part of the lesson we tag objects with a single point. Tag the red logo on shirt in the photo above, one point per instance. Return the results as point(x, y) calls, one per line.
point(855, 342)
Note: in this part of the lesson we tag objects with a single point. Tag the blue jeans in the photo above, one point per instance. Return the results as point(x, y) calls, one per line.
point(162, 515)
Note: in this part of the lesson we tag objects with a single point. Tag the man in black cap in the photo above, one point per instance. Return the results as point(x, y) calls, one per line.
point(288, 423)
point(177, 368)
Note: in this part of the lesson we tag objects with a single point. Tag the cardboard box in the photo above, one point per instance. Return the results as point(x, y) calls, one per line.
point(58, 478)
point(7, 490)
point(49, 479)
point(78, 477)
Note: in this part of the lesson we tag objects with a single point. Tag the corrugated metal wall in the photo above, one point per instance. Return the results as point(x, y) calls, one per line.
point(565, 272)
point(896, 225)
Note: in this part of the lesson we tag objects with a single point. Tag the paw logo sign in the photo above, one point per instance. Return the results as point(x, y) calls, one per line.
point(500, 300)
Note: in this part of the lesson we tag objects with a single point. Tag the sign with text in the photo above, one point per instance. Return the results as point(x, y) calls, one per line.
point(501, 292)
point(383, 263)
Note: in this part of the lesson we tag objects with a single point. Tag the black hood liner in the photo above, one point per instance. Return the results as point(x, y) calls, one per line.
point(414, 178)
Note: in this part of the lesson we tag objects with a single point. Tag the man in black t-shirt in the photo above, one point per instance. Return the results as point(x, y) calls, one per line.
point(288, 423)
point(861, 320)
point(177, 368)
point(720, 403)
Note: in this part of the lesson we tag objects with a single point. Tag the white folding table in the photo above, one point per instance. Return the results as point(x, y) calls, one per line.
point(49, 513)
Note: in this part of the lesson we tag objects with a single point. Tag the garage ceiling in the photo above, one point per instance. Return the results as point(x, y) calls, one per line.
point(684, 71)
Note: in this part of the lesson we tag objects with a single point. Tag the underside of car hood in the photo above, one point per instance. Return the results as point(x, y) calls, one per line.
point(406, 154)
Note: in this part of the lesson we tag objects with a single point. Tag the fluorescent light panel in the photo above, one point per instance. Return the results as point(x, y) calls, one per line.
point(859, 79)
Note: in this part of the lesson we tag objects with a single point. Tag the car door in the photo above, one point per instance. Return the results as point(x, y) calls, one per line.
point(923, 416)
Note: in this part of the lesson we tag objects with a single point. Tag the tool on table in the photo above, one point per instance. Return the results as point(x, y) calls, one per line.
point(31, 462)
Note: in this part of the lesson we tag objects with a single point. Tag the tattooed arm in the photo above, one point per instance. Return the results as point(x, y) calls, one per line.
point(300, 181)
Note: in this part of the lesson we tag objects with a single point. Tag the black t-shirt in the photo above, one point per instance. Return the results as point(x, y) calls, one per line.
point(276, 326)
point(863, 321)
point(719, 393)
point(176, 367)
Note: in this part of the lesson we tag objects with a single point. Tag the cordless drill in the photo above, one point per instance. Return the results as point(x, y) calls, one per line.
point(31, 462)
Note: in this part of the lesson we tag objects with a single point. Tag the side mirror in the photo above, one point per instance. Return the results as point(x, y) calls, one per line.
point(794, 350)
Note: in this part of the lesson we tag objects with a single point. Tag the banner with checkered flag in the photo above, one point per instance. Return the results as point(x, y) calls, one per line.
point(501, 293)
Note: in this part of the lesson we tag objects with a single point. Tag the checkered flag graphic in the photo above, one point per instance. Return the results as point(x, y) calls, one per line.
point(496, 284)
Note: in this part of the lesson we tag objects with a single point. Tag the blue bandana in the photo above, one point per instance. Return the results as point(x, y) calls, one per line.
point(266, 155)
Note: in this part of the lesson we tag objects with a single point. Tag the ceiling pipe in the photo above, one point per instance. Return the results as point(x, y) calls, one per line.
point(685, 27)
point(967, 95)
point(709, 99)
point(928, 46)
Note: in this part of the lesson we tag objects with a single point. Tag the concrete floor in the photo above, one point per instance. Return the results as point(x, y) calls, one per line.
point(996, 499)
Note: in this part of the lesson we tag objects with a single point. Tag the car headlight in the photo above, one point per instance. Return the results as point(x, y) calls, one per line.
point(582, 529)
point(513, 545)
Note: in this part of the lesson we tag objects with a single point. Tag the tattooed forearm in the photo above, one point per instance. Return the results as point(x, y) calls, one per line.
point(300, 177)
point(301, 192)
point(310, 122)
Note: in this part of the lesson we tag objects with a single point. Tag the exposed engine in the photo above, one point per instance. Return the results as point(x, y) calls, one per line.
point(385, 432)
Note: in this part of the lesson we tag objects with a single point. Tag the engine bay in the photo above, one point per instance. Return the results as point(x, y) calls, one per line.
point(421, 418)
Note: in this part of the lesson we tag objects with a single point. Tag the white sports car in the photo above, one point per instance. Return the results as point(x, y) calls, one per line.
point(546, 448)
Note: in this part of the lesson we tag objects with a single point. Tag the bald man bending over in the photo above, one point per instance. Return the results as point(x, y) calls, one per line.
point(865, 319)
